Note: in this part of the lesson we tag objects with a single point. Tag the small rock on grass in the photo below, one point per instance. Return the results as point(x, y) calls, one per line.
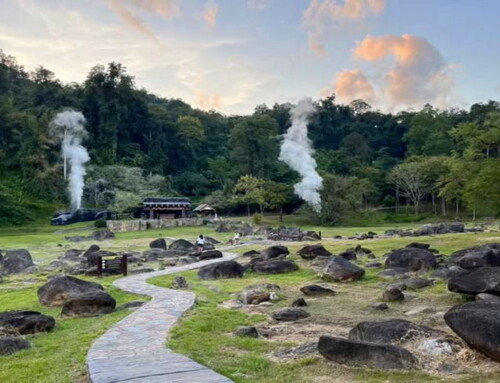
point(290, 314)
point(249, 331)
point(379, 306)
point(393, 294)
point(10, 344)
point(316, 290)
point(300, 302)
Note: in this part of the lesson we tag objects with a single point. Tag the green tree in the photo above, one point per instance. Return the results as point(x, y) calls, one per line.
point(249, 190)
point(276, 195)
point(340, 197)
point(254, 146)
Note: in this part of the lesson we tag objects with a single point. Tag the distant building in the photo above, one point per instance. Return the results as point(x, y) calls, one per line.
point(205, 210)
point(166, 208)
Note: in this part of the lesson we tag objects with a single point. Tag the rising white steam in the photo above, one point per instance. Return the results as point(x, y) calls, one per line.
point(296, 152)
point(68, 127)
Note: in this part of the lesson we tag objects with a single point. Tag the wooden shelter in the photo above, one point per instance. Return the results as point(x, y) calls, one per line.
point(165, 208)
point(205, 210)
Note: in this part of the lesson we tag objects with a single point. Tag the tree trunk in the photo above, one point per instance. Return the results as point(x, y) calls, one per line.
point(397, 200)
point(443, 207)
point(457, 207)
point(474, 214)
point(416, 208)
point(434, 208)
point(281, 213)
point(248, 210)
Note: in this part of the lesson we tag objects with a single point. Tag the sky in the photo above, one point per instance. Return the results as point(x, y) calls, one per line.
point(231, 55)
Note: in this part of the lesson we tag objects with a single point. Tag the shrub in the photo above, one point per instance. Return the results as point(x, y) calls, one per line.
point(257, 219)
point(100, 223)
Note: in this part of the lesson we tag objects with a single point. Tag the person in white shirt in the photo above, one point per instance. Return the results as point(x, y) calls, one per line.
point(200, 242)
point(236, 239)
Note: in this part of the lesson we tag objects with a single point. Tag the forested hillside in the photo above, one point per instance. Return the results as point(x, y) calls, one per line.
point(143, 145)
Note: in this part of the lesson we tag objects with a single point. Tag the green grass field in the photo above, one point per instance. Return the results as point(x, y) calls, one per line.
point(205, 332)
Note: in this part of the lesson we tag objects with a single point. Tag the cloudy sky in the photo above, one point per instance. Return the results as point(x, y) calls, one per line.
point(231, 55)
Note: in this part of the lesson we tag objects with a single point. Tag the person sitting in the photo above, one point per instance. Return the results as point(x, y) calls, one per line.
point(200, 242)
point(236, 239)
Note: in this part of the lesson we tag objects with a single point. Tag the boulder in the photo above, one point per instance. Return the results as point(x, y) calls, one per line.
point(477, 324)
point(251, 253)
point(158, 243)
point(274, 266)
point(448, 272)
point(411, 258)
point(183, 245)
point(10, 344)
point(210, 254)
point(91, 249)
point(488, 297)
point(249, 331)
point(154, 255)
point(58, 290)
point(89, 303)
point(313, 251)
point(180, 282)
point(391, 331)
point(363, 354)
point(101, 235)
point(316, 290)
point(275, 252)
point(16, 261)
point(72, 254)
point(222, 227)
point(393, 272)
point(419, 245)
point(25, 322)
point(478, 256)
point(56, 265)
point(93, 258)
point(211, 241)
point(227, 269)
point(440, 228)
point(392, 294)
point(255, 294)
point(290, 314)
point(373, 265)
point(299, 302)
point(350, 255)
point(475, 281)
point(339, 269)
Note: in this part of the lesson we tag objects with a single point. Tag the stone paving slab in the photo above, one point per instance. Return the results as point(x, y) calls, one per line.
point(134, 350)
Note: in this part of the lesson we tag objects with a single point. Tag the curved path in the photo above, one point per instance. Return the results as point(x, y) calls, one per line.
point(134, 349)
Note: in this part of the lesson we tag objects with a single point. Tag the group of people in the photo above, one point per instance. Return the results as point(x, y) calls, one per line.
point(200, 242)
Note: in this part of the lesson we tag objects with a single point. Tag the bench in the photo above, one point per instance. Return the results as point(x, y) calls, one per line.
point(115, 265)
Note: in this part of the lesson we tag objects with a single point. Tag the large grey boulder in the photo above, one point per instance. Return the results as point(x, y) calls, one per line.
point(25, 322)
point(91, 249)
point(412, 259)
point(475, 281)
point(316, 290)
point(101, 235)
point(274, 266)
point(210, 254)
point(477, 323)
point(275, 252)
point(313, 251)
point(58, 290)
point(159, 243)
point(89, 303)
point(227, 269)
point(478, 256)
point(363, 354)
point(391, 331)
point(339, 269)
point(11, 344)
point(183, 245)
point(16, 261)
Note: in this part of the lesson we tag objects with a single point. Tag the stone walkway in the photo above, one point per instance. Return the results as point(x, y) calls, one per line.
point(134, 350)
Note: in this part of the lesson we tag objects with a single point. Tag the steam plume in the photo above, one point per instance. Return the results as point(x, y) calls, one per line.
point(68, 127)
point(296, 152)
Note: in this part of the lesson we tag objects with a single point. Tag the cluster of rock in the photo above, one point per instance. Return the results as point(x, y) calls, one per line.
point(432, 229)
point(291, 234)
point(477, 273)
point(178, 253)
point(98, 235)
point(15, 324)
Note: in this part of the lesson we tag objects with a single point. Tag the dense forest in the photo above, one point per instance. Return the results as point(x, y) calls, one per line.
point(430, 161)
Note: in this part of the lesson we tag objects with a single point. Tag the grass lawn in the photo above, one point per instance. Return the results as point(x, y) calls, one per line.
point(205, 333)
point(58, 356)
